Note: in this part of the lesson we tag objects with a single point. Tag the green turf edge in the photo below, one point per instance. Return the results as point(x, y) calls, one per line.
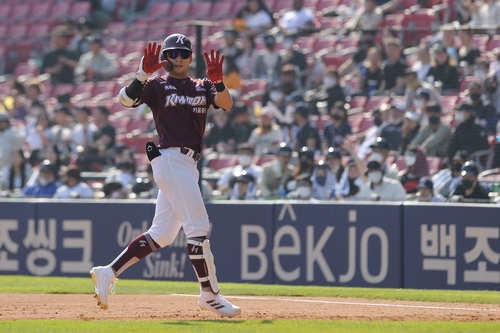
point(65, 285)
point(257, 326)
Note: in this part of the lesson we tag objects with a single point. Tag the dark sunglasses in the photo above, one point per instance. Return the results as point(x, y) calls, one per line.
point(173, 54)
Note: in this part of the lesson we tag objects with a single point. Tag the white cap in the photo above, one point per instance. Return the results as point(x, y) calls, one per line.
point(412, 116)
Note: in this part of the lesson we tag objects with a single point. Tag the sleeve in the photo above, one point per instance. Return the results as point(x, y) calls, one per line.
point(264, 190)
point(437, 138)
point(419, 138)
point(399, 192)
point(147, 94)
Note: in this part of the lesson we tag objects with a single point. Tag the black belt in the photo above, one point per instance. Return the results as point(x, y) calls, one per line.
point(191, 153)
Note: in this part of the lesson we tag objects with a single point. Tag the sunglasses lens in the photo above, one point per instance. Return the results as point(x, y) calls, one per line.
point(175, 53)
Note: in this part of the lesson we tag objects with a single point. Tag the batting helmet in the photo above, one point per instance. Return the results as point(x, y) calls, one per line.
point(176, 42)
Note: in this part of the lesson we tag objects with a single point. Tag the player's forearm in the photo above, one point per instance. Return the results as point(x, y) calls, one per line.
point(224, 99)
point(131, 95)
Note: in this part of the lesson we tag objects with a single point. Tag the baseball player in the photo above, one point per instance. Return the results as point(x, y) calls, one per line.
point(179, 104)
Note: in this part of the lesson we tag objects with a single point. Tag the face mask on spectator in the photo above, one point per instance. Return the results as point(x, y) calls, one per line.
point(276, 96)
point(42, 181)
point(491, 89)
point(329, 81)
point(475, 96)
point(321, 180)
point(467, 183)
point(377, 121)
point(377, 157)
point(244, 160)
point(434, 120)
point(410, 160)
point(288, 43)
point(460, 117)
point(304, 192)
point(375, 176)
point(418, 103)
point(456, 167)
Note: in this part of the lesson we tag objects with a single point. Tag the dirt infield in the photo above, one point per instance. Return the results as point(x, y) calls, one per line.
point(184, 307)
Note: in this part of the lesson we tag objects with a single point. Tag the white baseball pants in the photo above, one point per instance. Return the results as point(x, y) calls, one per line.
point(179, 201)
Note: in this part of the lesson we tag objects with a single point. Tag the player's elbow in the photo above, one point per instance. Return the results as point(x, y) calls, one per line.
point(125, 100)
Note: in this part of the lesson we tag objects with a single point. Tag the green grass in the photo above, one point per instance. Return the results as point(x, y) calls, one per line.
point(254, 326)
point(62, 285)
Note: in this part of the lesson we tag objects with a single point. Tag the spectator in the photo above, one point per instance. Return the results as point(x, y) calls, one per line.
point(323, 182)
point(291, 55)
point(83, 132)
point(328, 94)
point(422, 99)
point(468, 135)
point(353, 176)
point(245, 163)
point(242, 125)
point(486, 12)
point(60, 62)
point(46, 184)
point(257, 16)
point(379, 153)
point(268, 63)
point(297, 21)
point(114, 190)
point(15, 103)
point(276, 174)
point(16, 175)
point(288, 80)
point(469, 188)
point(278, 105)
point(366, 42)
point(221, 136)
point(231, 50)
point(333, 160)
point(410, 129)
point(34, 89)
point(10, 140)
point(268, 135)
point(448, 41)
point(484, 112)
point(305, 166)
point(492, 93)
point(423, 64)
point(425, 191)
point(371, 74)
point(378, 187)
point(97, 64)
point(392, 131)
point(232, 78)
point(351, 181)
point(38, 133)
point(379, 117)
point(335, 133)
point(417, 167)
point(395, 67)
point(247, 59)
point(125, 171)
point(61, 132)
point(146, 188)
point(413, 84)
point(303, 190)
point(244, 188)
point(80, 42)
point(74, 187)
point(468, 53)
point(369, 16)
point(307, 135)
point(444, 71)
point(435, 136)
point(101, 148)
point(52, 156)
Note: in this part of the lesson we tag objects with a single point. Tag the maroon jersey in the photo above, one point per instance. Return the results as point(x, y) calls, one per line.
point(179, 109)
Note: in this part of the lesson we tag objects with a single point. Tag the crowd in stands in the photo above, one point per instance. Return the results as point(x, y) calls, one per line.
point(334, 100)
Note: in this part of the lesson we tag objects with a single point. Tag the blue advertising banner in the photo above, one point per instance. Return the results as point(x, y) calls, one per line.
point(241, 241)
point(338, 244)
point(451, 246)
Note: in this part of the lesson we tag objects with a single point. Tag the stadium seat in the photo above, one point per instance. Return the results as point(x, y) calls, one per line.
point(58, 11)
point(375, 102)
point(323, 4)
point(159, 10)
point(221, 10)
point(265, 159)
point(84, 89)
point(115, 47)
point(16, 30)
point(127, 68)
point(223, 161)
point(5, 10)
point(39, 30)
point(133, 47)
point(493, 43)
point(393, 20)
point(324, 43)
point(138, 124)
point(480, 41)
point(355, 120)
point(200, 10)
point(422, 21)
point(80, 9)
point(62, 88)
point(448, 102)
point(305, 44)
point(332, 59)
point(19, 12)
point(254, 86)
point(358, 102)
point(25, 69)
point(40, 11)
point(366, 123)
point(156, 32)
point(348, 42)
point(434, 163)
point(180, 10)
point(116, 30)
point(282, 5)
point(137, 31)
point(103, 87)
point(23, 49)
point(464, 84)
point(321, 121)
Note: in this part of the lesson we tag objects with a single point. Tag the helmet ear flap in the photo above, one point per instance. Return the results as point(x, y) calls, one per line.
point(168, 67)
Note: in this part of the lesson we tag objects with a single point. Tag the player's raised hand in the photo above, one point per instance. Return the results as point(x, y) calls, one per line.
point(214, 66)
point(151, 59)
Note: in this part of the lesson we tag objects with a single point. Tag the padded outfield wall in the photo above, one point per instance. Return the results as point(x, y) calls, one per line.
point(397, 245)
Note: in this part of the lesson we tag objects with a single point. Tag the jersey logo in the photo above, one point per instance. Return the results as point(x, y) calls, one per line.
point(170, 87)
point(180, 39)
point(199, 102)
point(199, 88)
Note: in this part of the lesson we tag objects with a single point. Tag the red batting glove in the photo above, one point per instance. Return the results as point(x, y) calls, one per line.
point(214, 66)
point(150, 62)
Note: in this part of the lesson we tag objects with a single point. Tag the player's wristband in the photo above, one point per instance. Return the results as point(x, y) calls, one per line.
point(220, 87)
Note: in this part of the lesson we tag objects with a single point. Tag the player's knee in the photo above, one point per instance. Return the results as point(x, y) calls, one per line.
point(163, 240)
